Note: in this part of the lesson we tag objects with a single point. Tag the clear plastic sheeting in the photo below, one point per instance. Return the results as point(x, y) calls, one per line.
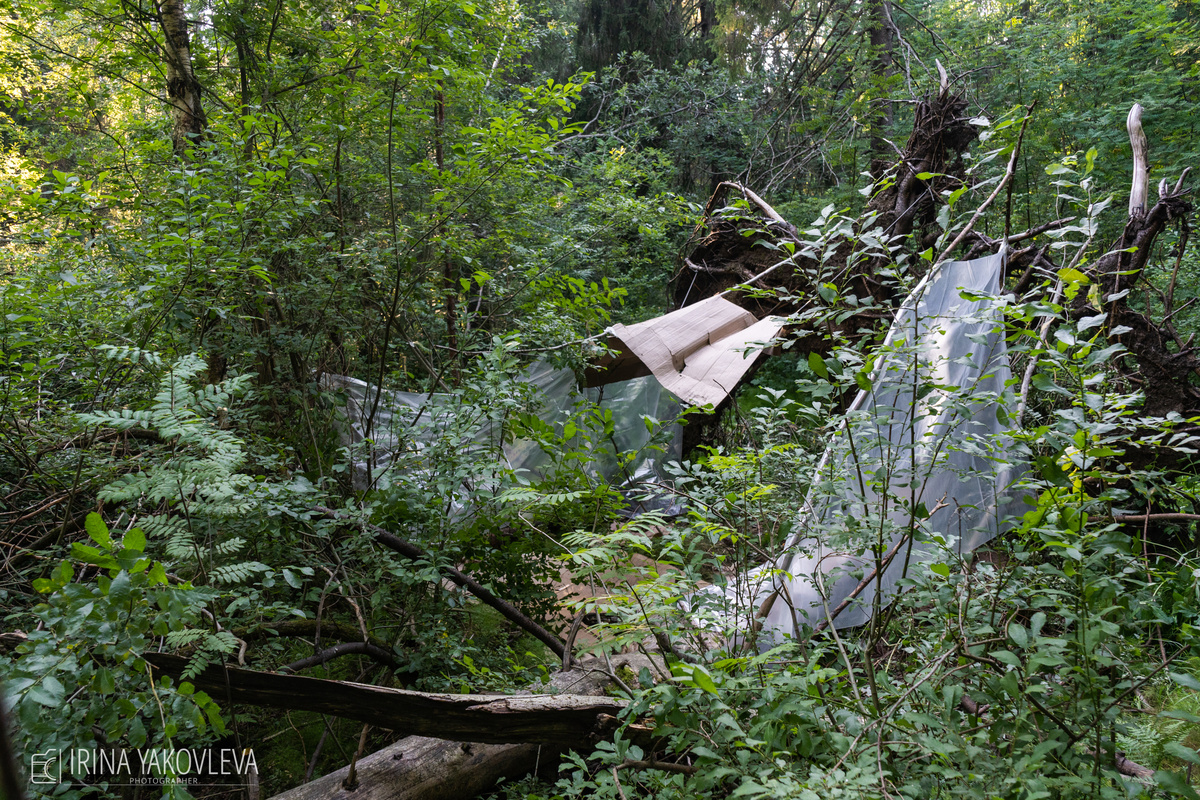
point(921, 469)
point(410, 423)
point(630, 404)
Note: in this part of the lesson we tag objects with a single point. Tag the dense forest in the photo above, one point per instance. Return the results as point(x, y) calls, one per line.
point(309, 463)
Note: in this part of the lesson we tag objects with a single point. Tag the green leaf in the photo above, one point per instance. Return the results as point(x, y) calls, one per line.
point(85, 553)
point(120, 587)
point(1049, 469)
point(1073, 280)
point(703, 680)
point(695, 675)
point(1017, 632)
point(104, 683)
point(98, 531)
point(1186, 680)
point(817, 365)
point(1044, 383)
point(1181, 752)
point(135, 540)
point(92, 555)
point(49, 692)
point(1006, 657)
point(1175, 784)
point(940, 569)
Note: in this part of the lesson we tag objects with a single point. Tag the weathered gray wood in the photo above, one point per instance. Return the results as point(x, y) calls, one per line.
point(1140, 190)
point(422, 768)
point(567, 720)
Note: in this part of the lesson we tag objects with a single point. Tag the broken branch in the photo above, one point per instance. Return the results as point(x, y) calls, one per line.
point(1166, 517)
point(415, 553)
point(345, 649)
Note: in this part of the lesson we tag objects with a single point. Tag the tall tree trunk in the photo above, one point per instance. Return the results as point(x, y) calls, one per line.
point(449, 274)
point(708, 18)
point(183, 90)
point(879, 34)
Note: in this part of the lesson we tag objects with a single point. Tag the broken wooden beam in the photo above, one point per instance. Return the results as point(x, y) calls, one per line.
point(425, 768)
point(565, 720)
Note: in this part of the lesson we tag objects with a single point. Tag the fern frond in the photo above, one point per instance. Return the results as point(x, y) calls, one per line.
point(134, 355)
point(236, 573)
point(230, 546)
point(184, 637)
point(222, 642)
point(203, 465)
point(195, 666)
point(122, 420)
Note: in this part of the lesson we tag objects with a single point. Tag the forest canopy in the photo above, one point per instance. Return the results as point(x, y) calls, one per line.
point(287, 287)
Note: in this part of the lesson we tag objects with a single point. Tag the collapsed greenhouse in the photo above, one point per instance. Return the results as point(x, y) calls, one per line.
point(913, 466)
point(890, 489)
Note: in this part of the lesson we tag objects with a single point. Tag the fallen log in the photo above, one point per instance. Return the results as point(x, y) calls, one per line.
point(567, 720)
point(425, 768)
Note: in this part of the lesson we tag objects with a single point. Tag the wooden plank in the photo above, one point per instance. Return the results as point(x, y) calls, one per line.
point(421, 768)
point(565, 720)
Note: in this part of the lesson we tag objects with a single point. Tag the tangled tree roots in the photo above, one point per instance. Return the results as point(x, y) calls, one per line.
point(745, 242)
point(729, 250)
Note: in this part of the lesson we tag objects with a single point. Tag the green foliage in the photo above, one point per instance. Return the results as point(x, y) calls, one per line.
point(91, 632)
point(205, 472)
point(1020, 674)
point(422, 195)
point(1084, 64)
